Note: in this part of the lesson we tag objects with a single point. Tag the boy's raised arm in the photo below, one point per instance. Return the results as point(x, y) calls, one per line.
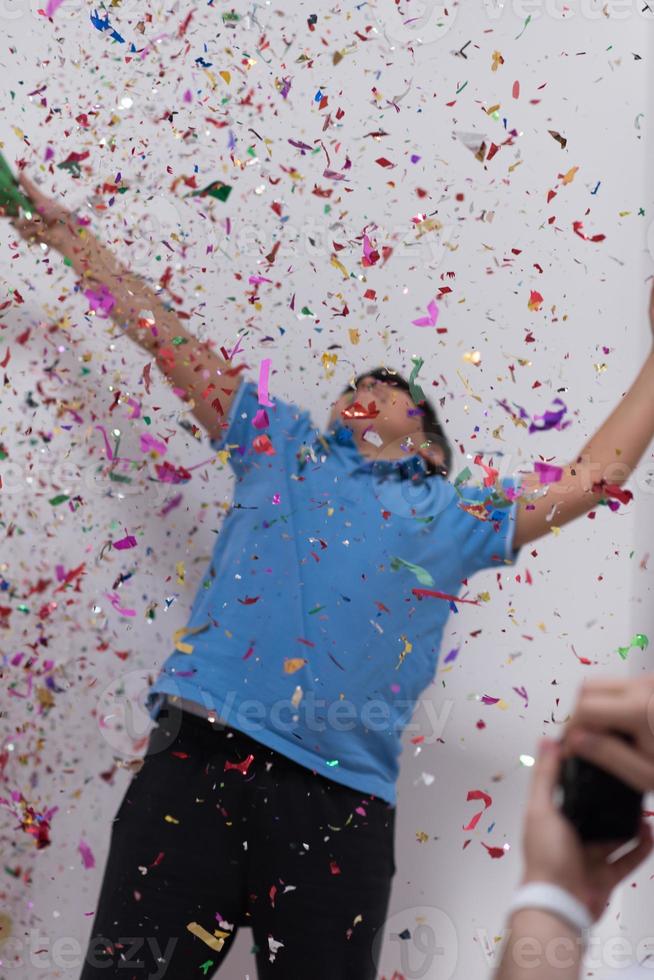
point(607, 460)
point(199, 376)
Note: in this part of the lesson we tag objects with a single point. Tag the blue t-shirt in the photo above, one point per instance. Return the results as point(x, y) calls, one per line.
point(306, 632)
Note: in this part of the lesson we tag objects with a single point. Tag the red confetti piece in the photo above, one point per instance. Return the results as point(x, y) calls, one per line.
point(478, 794)
point(420, 593)
point(494, 852)
point(241, 767)
point(516, 90)
point(578, 227)
point(359, 411)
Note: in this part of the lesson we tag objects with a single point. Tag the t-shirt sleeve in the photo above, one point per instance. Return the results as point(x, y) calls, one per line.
point(254, 430)
point(485, 525)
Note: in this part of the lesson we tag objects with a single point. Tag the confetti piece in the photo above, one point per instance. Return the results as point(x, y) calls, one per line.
point(417, 394)
point(52, 7)
point(241, 767)
point(215, 941)
point(215, 189)
point(535, 300)
point(127, 542)
point(421, 593)
point(431, 319)
point(639, 642)
point(578, 227)
point(184, 632)
point(478, 794)
point(421, 574)
point(264, 375)
point(358, 411)
point(88, 860)
point(293, 664)
point(547, 473)
point(151, 445)
point(101, 301)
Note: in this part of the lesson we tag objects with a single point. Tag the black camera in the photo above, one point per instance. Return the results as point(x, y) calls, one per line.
point(599, 805)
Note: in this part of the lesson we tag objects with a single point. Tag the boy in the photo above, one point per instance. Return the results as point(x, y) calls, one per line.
point(268, 791)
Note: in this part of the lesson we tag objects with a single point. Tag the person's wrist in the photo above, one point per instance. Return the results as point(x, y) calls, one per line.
point(532, 876)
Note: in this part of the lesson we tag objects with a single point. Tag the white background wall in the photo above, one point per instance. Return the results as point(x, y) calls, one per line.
point(583, 73)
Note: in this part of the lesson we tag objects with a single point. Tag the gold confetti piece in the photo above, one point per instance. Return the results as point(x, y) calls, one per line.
point(570, 176)
point(422, 837)
point(355, 336)
point(215, 941)
point(293, 664)
point(170, 819)
point(473, 357)
point(180, 571)
point(297, 696)
point(408, 647)
point(492, 109)
point(329, 363)
point(339, 265)
point(497, 60)
point(226, 76)
point(184, 631)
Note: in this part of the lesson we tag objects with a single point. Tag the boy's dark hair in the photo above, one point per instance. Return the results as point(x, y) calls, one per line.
point(432, 427)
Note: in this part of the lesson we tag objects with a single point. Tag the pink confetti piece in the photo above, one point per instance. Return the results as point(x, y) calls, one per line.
point(171, 505)
point(150, 444)
point(114, 599)
point(109, 451)
point(136, 408)
point(487, 699)
point(88, 860)
point(129, 541)
point(255, 280)
point(431, 320)
point(264, 377)
point(53, 6)
point(261, 420)
point(101, 301)
point(547, 473)
point(522, 692)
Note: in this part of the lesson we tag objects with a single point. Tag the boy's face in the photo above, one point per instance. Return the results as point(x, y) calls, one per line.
point(397, 419)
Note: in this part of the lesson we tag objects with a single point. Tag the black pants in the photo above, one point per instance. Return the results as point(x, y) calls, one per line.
point(198, 848)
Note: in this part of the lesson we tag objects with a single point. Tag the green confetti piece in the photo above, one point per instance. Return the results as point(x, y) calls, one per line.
point(417, 393)
point(179, 340)
point(12, 199)
point(525, 26)
point(215, 189)
point(463, 476)
point(59, 499)
point(421, 574)
point(119, 477)
point(639, 641)
point(332, 763)
point(315, 610)
point(206, 966)
point(306, 311)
